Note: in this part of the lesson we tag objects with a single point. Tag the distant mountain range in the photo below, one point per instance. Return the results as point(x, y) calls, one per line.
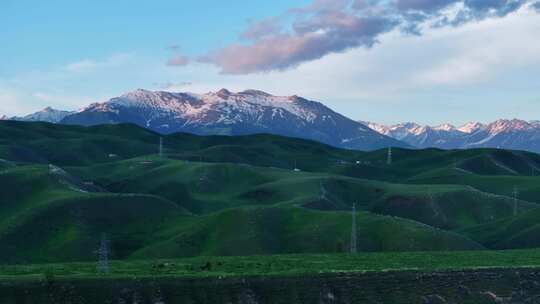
point(252, 111)
point(226, 113)
point(504, 134)
point(48, 115)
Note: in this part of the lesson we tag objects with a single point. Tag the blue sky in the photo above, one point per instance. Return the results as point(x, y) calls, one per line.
point(370, 60)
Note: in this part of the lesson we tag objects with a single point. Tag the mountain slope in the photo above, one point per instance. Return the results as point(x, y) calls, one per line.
point(46, 115)
point(46, 217)
point(504, 134)
point(64, 187)
point(226, 113)
point(264, 230)
point(203, 188)
point(522, 231)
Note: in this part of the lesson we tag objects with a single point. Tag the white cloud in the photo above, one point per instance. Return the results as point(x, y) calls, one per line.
point(69, 86)
point(82, 65)
point(480, 52)
point(439, 76)
point(11, 103)
point(433, 78)
point(92, 64)
point(64, 100)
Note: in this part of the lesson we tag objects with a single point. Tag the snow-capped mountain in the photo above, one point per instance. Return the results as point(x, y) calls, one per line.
point(228, 113)
point(505, 134)
point(47, 115)
point(471, 127)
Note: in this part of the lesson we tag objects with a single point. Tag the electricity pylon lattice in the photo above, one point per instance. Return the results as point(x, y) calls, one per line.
point(323, 192)
point(354, 240)
point(389, 156)
point(103, 256)
point(515, 193)
point(161, 147)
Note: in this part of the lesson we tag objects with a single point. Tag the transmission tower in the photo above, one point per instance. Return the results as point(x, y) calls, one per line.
point(103, 256)
point(515, 193)
point(353, 231)
point(323, 192)
point(296, 169)
point(161, 147)
point(389, 157)
point(204, 175)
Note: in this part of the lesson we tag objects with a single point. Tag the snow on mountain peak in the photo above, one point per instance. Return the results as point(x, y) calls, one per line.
point(223, 93)
point(255, 93)
point(47, 115)
point(232, 113)
point(471, 127)
point(222, 103)
point(137, 93)
point(503, 125)
point(503, 133)
point(382, 129)
point(444, 127)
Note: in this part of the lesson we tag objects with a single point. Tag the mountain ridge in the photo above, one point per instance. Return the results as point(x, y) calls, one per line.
point(228, 113)
point(48, 114)
point(513, 134)
point(253, 111)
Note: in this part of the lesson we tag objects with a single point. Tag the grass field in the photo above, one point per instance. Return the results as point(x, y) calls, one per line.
point(64, 187)
point(280, 265)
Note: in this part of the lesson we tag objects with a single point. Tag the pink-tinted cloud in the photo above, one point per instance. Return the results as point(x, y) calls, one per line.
point(178, 60)
point(263, 28)
point(333, 26)
point(325, 32)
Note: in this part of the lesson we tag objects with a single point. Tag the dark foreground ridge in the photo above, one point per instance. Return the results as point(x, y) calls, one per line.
point(411, 278)
point(83, 196)
point(459, 277)
point(65, 188)
point(469, 286)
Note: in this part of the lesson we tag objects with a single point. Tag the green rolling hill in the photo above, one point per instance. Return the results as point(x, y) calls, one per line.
point(64, 188)
point(522, 231)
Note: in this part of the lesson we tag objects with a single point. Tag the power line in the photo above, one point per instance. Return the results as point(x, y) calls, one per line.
point(161, 147)
point(515, 193)
point(354, 240)
point(103, 255)
point(323, 192)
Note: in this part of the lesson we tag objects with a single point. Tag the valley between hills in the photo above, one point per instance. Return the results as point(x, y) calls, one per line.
point(67, 188)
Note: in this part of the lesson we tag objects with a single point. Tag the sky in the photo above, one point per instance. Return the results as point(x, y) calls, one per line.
point(387, 61)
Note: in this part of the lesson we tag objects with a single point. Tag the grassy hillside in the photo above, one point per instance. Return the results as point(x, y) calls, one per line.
point(522, 231)
point(44, 216)
point(64, 188)
point(277, 230)
point(207, 187)
point(281, 265)
point(72, 221)
point(75, 145)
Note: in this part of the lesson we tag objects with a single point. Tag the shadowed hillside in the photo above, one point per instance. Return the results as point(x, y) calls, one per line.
point(65, 188)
